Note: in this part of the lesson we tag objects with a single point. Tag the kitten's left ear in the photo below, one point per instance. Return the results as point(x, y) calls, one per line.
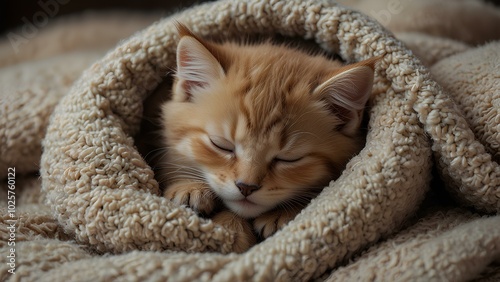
point(197, 66)
point(348, 92)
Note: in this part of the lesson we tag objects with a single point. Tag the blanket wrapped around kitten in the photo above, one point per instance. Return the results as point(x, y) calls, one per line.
point(254, 131)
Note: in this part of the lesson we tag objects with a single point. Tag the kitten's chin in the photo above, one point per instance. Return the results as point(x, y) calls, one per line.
point(246, 208)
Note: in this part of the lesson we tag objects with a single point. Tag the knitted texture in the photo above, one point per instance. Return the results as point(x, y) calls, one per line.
point(471, 241)
point(366, 225)
point(468, 21)
point(476, 89)
point(29, 93)
point(104, 193)
point(431, 49)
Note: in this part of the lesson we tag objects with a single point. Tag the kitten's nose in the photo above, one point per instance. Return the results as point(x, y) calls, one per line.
point(246, 189)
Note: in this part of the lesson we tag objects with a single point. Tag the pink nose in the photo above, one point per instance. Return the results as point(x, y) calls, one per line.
point(246, 189)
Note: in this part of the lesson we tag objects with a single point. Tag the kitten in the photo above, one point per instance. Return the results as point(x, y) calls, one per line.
point(261, 128)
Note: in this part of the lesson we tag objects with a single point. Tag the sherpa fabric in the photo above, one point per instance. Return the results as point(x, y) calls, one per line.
point(100, 217)
point(36, 74)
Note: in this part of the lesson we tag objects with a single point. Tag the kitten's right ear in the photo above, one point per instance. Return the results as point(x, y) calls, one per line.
point(347, 93)
point(197, 67)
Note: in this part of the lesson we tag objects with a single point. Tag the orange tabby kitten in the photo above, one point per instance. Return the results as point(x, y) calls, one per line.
point(261, 128)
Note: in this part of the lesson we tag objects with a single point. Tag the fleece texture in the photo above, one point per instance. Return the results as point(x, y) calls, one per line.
point(99, 214)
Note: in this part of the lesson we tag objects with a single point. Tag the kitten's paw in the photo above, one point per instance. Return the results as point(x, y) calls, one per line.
point(268, 223)
point(244, 237)
point(195, 195)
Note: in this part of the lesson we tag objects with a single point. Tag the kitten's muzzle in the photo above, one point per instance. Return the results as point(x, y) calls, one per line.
point(246, 189)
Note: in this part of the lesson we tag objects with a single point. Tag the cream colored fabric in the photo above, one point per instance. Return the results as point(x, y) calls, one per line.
point(469, 21)
point(370, 224)
point(99, 32)
point(475, 88)
point(431, 49)
point(33, 79)
point(447, 245)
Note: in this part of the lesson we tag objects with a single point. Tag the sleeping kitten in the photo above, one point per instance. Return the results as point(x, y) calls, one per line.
point(260, 128)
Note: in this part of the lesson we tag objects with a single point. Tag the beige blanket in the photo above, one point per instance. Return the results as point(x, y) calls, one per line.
point(419, 203)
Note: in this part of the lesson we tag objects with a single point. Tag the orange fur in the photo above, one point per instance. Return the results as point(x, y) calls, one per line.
point(258, 118)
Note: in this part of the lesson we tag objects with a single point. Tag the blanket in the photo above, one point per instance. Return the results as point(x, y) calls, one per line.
point(419, 202)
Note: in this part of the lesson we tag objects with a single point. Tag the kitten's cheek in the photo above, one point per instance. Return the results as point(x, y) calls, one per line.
point(230, 194)
point(225, 191)
point(269, 201)
point(245, 208)
point(185, 148)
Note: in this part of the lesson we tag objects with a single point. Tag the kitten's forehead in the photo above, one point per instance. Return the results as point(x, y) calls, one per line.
point(222, 128)
point(269, 81)
point(265, 89)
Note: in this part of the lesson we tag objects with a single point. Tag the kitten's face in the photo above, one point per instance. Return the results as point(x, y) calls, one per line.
point(258, 124)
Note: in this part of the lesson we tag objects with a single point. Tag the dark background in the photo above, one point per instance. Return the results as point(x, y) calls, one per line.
point(12, 12)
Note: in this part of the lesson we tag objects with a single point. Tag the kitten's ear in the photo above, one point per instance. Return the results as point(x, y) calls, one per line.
point(197, 67)
point(347, 93)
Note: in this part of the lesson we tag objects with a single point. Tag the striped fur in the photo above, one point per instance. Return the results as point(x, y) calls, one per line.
point(262, 115)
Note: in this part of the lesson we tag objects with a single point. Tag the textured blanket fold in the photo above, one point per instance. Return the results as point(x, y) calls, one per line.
point(93, 175)
point(367, 225)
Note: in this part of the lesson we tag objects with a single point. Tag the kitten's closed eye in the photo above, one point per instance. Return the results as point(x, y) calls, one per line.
point(288, 159)
point(222, 144)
